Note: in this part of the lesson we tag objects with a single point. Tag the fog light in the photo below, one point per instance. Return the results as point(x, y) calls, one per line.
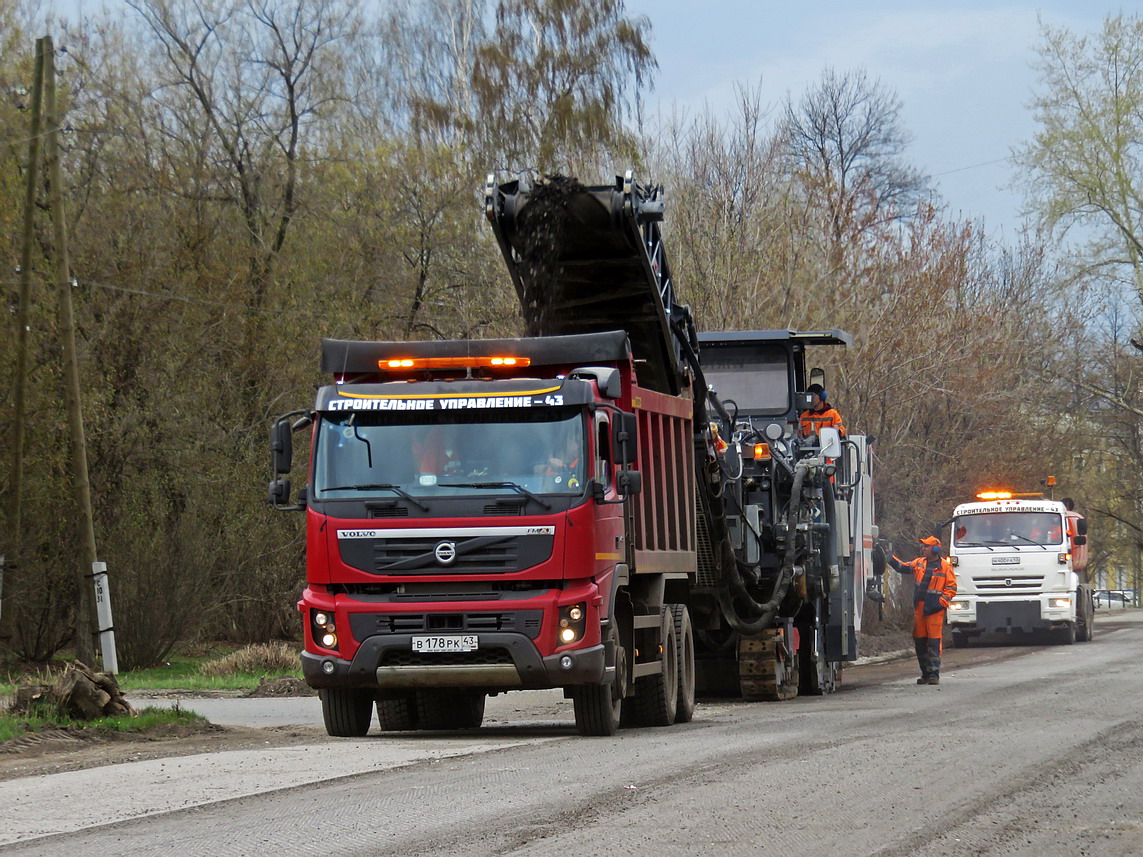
point(566, 662)
point(567, 635)
point(321, 619)
point(329, 640)
point(327, 667)
point(575, 613)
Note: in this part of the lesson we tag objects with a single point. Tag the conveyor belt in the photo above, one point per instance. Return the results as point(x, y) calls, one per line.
point(590, 259)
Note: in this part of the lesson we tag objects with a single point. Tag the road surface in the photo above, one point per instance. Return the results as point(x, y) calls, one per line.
point(1032, 751)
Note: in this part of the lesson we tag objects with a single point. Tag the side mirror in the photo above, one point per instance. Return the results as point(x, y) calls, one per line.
point(279, 493)
point(625, 435)
point(281, 446)
point(630, 482)
point(1081, 526)
point(1079, 541)
point(830, 439)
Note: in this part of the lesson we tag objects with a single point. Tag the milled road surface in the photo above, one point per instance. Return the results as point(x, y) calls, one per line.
point(1031, 751)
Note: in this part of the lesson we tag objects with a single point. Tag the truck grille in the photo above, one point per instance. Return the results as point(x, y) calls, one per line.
point(428, 554)
point(365, 625)
point(1009, 584)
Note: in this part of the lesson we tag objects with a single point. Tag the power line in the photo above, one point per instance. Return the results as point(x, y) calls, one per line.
point(973, 166)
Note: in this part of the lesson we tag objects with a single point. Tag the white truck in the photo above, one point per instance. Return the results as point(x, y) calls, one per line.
point(1021, 567)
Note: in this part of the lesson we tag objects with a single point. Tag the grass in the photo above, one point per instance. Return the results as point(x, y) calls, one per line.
point(147, 720)
point(215, 668)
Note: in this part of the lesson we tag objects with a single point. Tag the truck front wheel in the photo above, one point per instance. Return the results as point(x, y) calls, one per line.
point(347, 711)
point(598, 706)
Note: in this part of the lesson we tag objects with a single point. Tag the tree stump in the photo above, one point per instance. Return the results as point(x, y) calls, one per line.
point(82, 694)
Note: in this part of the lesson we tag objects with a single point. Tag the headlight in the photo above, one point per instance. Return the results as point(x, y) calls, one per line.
point(957, 606)
point(573, 619)
point(1060, 602)
point(323, 629)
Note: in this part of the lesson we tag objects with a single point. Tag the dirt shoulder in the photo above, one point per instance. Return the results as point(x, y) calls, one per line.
point(58, 750)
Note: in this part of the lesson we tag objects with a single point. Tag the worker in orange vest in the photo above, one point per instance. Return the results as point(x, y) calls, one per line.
point(821, 414)
point(934, 589)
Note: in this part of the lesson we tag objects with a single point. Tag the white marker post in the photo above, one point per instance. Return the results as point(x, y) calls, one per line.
point(103, 617)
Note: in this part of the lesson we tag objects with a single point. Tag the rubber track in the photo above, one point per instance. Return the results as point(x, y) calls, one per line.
point(759, 668)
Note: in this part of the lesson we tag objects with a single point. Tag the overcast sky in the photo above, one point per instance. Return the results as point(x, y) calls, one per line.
point(962, 70)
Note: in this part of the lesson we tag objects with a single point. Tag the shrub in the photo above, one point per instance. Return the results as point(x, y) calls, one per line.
point(258, 658)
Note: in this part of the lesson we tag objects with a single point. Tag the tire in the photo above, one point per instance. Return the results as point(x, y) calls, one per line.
point(347, 711)
point(449, 709)
point(1085, 616)
point(1067, 636)
point(657, 696)
point(598, 706)
point(397, 712)
point(685, 667)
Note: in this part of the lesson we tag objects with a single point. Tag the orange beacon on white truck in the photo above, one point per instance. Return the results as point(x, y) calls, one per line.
point(1021, 567)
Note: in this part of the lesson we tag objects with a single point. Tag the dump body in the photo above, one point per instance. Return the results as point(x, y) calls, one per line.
point(1019, 570)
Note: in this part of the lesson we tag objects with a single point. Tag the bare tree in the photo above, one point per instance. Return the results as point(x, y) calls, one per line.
point(845, 145)
point(243, 80)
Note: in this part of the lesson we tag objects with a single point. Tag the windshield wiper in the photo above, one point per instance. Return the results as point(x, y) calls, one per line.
point(379, 486)
point(1028, 540)
point(972, 545)
point(515, 486)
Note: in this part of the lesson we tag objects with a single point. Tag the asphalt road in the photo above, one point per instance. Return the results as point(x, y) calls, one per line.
point(1031, 751)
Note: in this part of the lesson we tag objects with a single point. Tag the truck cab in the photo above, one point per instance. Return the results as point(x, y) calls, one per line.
point(1016, 570)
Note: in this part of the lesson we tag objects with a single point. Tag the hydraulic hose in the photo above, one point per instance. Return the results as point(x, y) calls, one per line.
point(731, 587)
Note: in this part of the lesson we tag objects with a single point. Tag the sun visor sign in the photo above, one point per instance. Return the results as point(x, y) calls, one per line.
point(363, 398)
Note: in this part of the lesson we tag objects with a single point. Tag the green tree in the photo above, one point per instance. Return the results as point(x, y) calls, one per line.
point(1084, 166)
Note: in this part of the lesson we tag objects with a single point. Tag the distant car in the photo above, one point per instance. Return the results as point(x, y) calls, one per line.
point(1113, 598)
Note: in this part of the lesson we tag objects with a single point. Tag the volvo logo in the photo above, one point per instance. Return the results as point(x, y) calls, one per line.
point(445, 552)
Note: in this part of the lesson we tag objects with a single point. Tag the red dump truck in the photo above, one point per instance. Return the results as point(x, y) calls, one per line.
point(579, 508)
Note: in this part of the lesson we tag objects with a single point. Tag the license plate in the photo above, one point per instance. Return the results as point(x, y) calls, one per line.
point(446, 643)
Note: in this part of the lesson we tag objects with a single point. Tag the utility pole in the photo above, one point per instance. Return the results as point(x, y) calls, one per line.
point(84, 644)
point(16, 480)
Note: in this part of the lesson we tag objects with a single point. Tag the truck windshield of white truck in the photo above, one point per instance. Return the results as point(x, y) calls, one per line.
point(430, 454)
point(1008, 529)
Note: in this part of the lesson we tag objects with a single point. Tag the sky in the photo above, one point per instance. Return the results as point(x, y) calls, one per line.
point(963, 71)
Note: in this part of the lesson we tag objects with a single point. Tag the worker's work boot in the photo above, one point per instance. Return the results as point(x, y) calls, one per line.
point(922, 647)
point(934, 661)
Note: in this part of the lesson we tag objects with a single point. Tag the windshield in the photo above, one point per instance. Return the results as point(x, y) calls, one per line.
point(1007, 529)
point(426, 454)
point(755, 377)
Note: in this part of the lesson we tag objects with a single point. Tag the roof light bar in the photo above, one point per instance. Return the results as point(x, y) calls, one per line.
point(499, 362)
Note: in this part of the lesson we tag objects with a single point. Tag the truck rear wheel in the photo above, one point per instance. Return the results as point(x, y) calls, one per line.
point(656, 696)
point(685, 670)
point(597, 706)
point(449, 709)
point(347, 711)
